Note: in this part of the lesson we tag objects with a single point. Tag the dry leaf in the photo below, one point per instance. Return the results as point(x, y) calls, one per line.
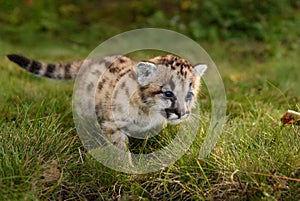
point(51, 172)
point(234, 89)
point(235, 77)
point(290, 117)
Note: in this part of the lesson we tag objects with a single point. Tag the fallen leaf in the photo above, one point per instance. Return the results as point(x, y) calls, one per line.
point(51, 172)
point(235, 77)
point(291, 117)
point(234, 89)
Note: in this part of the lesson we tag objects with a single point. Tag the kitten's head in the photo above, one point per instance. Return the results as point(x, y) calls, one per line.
point(169, 85)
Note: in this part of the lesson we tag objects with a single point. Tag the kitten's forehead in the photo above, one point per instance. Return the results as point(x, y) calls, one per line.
point(177, 82)
point(182, 67)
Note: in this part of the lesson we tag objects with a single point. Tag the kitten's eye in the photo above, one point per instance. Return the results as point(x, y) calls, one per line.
point(189, 95)
point(168, 94)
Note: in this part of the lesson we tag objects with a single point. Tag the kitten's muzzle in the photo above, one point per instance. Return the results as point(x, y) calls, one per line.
point(176, 114)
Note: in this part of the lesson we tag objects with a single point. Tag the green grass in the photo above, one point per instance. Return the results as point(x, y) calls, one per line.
point(255, 158)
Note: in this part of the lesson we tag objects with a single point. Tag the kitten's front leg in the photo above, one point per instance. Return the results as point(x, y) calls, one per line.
point(120, 140)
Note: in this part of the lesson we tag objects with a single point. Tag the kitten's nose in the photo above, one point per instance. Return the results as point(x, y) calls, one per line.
point(180, 112)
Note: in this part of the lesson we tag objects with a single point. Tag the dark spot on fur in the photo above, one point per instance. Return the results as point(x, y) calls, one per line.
point(98, 109)
point(170, 63)
point(118, 109)
point(35, 67)
point(116, 93)
point(107, 63)
point(114, 69)
point(123, 73)
point(107, 95)
point(100, 85)
point(122, 60)
point(172, 84)
point(127, 92)
point(68, 71)
point(90, 86)
point(123, 85)
point(181, 69)
point(50, 69)
point(96, 72)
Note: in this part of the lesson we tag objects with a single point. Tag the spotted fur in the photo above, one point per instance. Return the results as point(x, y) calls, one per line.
point(132, 97)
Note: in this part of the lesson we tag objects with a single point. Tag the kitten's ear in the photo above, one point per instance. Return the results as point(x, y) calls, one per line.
point(145, 71)
point(199, 69)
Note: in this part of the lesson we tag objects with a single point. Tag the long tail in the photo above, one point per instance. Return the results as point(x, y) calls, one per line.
point(54, 71)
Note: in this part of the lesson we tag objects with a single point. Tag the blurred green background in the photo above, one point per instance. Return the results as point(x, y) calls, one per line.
point(86, 22)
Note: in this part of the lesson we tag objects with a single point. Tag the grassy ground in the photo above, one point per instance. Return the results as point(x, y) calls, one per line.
point(255, 157)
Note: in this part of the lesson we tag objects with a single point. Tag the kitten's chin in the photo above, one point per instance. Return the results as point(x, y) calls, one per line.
point(177, 120)
point(174, 121)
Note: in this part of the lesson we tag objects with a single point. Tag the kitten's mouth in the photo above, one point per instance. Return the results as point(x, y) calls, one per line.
point(173, 116)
